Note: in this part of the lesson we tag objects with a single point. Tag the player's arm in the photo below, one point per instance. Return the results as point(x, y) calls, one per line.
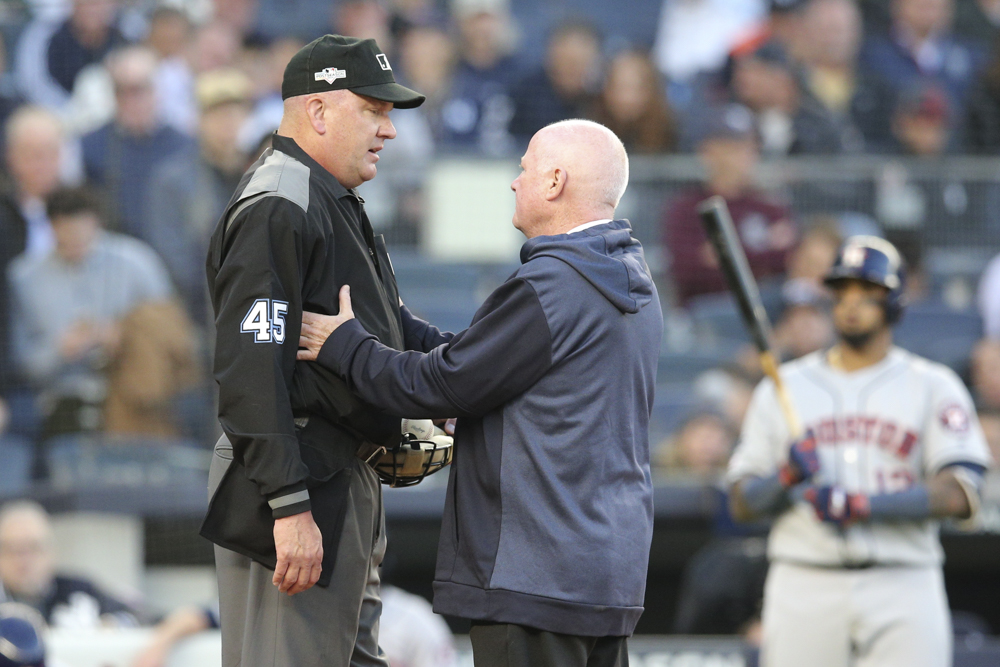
point(756, 496)
point(257, 299)
point(501, 355)
point(764, 470)
point(951, 493)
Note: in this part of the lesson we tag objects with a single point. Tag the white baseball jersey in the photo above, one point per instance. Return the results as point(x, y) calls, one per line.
point(880, 429)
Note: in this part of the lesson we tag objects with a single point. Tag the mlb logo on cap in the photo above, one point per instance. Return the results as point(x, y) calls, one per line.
point(331, 74)
point(383, 61)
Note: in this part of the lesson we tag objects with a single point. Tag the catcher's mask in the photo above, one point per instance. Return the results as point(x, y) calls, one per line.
point(408, 462)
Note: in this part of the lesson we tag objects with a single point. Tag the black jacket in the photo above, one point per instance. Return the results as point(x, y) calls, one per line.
point(290, 237)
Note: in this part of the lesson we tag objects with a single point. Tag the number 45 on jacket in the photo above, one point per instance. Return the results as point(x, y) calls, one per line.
point(266, 321)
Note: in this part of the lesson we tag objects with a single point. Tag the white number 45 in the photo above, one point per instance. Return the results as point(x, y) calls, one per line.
point(266, 321)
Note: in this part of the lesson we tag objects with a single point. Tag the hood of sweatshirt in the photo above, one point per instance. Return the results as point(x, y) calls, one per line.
point(607, 256)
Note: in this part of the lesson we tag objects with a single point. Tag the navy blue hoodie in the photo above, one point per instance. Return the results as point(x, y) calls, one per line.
point(549, 512)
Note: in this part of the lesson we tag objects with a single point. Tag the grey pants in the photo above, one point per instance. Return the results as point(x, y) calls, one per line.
point(335, 626)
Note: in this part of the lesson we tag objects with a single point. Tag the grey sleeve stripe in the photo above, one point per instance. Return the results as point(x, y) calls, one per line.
point(290, 499)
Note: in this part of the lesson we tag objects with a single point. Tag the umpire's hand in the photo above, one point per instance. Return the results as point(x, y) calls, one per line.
point(300, 553)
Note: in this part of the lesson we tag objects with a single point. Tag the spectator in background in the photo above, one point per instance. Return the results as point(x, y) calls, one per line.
point(978, 22)
point(783, 28)
point(177, 626)
point(982, 122)
point(268, 105)
point(190, 189)
point(34, 148)
point(427, 63)
point(215, 46)
point(479, 108)
point(988, 299)
point(28, 575)
point(695, 37)
point(789, 119)
point(728, 150)
point(35, 151)
point(985, 374)
point(364, 19)
point(815, 253)
point(120, 156)
point(725, 390)
point(51, 54)
point(567, 85)
point(919, 46)
point(633, 105)
point(411, 634)
point(857, 99)
point(700, 447)
point(10, 94)
point(68, 306)
point(170, 36)
point(805, 324)
point(922, 121)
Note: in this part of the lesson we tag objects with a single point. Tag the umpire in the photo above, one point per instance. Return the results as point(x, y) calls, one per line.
point(289, 489)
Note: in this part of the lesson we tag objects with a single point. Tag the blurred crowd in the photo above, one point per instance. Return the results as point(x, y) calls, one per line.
point(126, 125)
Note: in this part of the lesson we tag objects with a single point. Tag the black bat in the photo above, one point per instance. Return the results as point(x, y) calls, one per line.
point(733, 262)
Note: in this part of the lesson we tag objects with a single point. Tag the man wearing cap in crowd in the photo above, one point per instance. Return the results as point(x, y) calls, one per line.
point(190, 190)
point(727, 146)
point(295, 511)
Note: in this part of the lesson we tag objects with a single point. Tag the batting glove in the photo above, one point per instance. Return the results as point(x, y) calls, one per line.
point(803, 461)
point(834, 505)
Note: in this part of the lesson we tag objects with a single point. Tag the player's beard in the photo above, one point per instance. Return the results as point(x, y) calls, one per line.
point(858, 340)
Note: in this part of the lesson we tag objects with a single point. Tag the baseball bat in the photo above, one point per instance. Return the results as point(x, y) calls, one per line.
point(733, 261)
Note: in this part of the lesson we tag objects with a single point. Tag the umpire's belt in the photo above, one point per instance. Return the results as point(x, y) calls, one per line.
point(364, 451)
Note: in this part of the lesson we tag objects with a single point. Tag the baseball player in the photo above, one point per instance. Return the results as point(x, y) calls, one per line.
point(891, 446)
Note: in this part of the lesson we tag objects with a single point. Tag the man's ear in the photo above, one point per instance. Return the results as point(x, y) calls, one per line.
point(316, 113)
point(556, 184)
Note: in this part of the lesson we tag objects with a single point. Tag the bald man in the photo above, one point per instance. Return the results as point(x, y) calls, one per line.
point(549, 513)
point(295, 511)
point(28, 574)
point(34, 144)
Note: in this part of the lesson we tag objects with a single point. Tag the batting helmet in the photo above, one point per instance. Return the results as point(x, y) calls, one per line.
point(873, 260)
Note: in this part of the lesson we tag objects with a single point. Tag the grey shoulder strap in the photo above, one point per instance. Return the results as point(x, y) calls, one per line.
point(279, 176)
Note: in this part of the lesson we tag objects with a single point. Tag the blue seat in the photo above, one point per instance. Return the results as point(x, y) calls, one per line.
point(101, 460)
point(935, 331)
point(684, 367)
point(717, 317)
point(15, 465)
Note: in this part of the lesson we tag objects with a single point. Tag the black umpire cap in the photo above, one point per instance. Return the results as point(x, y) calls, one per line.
point(333, 62)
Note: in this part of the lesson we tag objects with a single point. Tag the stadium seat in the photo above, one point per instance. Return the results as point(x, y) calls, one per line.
point(684, 367)
point(717, 318)
point(15, 465)
point(939, 333)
